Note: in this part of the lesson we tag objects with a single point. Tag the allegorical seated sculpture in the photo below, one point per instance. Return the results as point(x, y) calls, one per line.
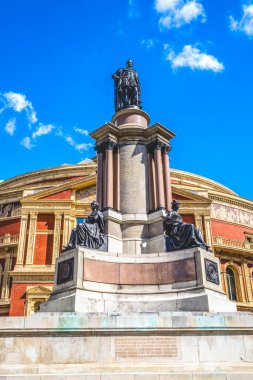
point(181, 235)
point(127, 88)
point(89, 233)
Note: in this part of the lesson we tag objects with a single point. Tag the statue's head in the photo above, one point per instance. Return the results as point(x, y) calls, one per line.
point(94, 205)
point(175, 205)
point(129, 63)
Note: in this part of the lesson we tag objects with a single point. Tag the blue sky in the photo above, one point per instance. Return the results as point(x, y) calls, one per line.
point(194, 59)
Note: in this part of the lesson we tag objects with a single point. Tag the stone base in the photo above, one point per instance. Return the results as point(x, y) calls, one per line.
point(151, 346)
point(79, 300)
point(92, 281)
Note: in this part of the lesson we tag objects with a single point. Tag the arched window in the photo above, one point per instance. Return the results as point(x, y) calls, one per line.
point(231, 284)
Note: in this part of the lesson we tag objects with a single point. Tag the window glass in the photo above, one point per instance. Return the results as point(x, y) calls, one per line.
point(231, 284)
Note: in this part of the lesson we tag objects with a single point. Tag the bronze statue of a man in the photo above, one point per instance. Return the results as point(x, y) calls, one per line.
point(181, 235)
point(127, 88)
point(89, 233)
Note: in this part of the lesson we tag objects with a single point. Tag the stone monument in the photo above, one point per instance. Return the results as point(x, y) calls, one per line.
point(137, 293)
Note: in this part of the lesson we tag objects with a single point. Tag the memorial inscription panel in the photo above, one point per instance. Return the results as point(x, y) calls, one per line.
point(140, 347)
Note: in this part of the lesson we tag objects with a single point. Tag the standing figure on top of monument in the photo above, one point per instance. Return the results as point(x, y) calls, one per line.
point(181, 235)
point(89, 233)
point(127, 88)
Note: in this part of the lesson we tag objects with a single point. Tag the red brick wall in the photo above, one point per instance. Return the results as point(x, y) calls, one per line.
point(62, 195)
point(45, 222)
point(188, 218)
point(18, 298)
point(43, 250)
point(229, 231)
point(11, 227)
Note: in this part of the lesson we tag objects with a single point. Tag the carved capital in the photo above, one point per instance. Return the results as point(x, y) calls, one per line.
point(107, 145)
point(158, 145)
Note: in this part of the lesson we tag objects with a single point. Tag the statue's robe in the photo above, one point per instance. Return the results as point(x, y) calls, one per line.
point(181, 235)
point(88, 234)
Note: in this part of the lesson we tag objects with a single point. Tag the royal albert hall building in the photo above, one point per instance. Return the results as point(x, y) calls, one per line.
point(38, 211)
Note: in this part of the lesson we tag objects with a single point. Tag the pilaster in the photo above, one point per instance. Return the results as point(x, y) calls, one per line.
point(31, 238)
point(208, 233)
point(57, 236)
point(5, 294)
point(22, 240)
point(66, 230)
point(199, 222)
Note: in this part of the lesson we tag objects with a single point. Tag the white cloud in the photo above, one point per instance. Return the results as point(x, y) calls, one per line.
point(149, 43)
point(10, 126)
point(80, 147)
point(82, 131)
point(244, 25)
point(26, 142)
point(43, 130)
point(132, 9)
point(177, 13)
point(162, 6)
point(18, 103)
point(195, 59)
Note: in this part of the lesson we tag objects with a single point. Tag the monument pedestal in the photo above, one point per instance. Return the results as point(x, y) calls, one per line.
point(146, 346)
point(91, 281)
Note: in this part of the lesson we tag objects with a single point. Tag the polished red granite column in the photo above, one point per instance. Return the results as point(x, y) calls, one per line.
point(116, 179)
point(159, 175)
point(99, 196)
point(167, 181)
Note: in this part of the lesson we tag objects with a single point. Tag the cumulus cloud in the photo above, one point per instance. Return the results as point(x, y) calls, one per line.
point(176, 13)
point(79, 147)
point(10, 126)
point(43, 130)
point(26, 142)
point(18, 103)
point(244, 25)
point(82, 131)
point(193, 58)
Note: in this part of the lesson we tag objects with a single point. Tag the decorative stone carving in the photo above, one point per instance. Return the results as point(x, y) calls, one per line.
point(88, 192)
point(106, 145)
point(65, 271)
point(10, 209)
point(158, 145)
point(212, 272)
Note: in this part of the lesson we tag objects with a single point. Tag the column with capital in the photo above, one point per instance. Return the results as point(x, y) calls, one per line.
point(108, 187)
point(100, 174)
point(158, 145)
point(166, 171)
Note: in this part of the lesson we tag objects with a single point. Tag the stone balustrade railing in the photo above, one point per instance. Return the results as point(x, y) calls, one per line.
point(221, 241)
point(8, 239)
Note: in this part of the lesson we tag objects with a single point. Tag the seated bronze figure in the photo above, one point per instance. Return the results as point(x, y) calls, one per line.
point(179, 235)
point(89, 233)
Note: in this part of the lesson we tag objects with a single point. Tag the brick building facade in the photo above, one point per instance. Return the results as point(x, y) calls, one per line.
point(39, 209)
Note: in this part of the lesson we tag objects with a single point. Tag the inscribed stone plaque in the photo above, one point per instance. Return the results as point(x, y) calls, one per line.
point(146, 347)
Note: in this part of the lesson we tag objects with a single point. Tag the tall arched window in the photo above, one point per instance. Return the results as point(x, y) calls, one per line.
point(231, 284)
